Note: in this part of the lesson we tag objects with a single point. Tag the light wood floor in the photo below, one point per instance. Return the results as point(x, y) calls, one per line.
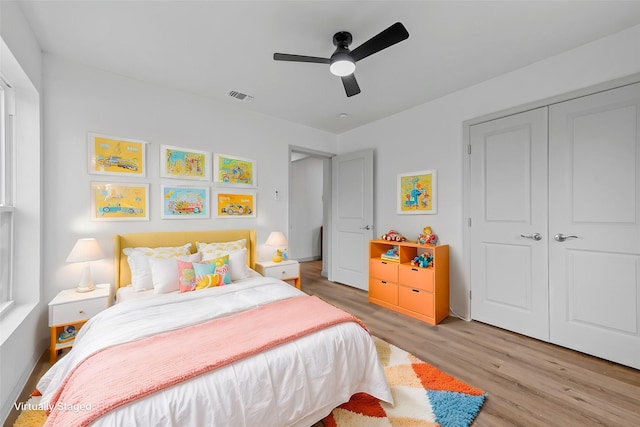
point(529, 382)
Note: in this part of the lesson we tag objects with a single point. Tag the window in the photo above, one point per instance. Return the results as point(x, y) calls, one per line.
point(7, 160)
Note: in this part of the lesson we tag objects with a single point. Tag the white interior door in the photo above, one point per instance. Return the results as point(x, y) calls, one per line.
point(508, 234)
point(351, 217)
point(594, 200)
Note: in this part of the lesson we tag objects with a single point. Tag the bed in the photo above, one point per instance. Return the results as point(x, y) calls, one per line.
point(217, 351)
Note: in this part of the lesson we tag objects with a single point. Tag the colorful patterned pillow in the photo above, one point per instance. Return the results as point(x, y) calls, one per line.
point(138, 259)
point(223, 269)
point(218, 249)
point(186, 276)
point(194, 276)
point(219, 266)
point(208, 281)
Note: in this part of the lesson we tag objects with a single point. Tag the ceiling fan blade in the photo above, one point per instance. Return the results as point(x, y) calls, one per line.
point(350, 85)
point(299, 58)
point(392, 35)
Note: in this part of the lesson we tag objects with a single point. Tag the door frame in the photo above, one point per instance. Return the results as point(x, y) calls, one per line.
point(466, 159)
point(326, 200)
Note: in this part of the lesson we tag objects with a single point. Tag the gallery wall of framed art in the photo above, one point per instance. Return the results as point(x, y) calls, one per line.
point(233, 180)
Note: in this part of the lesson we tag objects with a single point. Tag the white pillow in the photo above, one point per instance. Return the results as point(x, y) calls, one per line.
point(138, 259)
point(140, 272)
point(164, 272)
point(237, 259)
point(238, 264)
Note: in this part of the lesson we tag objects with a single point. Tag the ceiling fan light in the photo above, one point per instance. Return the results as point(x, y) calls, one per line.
point(342, 67)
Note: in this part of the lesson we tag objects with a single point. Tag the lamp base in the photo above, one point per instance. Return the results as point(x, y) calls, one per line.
point(86, 283)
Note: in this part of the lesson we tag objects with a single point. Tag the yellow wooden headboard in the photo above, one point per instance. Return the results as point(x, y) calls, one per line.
point(175, 238)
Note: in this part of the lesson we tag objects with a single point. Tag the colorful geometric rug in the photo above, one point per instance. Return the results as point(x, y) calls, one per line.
point(423, 395)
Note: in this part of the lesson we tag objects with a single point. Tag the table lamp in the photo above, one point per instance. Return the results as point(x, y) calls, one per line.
point(278, 241)
point(85, 250)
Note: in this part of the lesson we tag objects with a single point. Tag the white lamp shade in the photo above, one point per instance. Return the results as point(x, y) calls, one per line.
point(276, 239)
point(85, 250)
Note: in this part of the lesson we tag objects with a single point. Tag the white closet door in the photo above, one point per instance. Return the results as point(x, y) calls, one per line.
point(594, 200)
point(508, 170)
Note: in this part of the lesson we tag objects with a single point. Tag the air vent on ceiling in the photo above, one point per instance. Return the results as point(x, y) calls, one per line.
point(240, 96)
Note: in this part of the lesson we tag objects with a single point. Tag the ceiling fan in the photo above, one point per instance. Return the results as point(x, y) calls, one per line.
point(343, 61)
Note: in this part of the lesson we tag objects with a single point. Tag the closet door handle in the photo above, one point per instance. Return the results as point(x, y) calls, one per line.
point(534, 236)
point(562, 237)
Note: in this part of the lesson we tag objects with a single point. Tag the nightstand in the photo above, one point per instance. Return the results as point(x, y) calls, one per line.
point(72, 308)
point(287, 270)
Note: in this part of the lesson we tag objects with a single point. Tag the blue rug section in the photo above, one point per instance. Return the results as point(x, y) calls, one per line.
point(454, 409)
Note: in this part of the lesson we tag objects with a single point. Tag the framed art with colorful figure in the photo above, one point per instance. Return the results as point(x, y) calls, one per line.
point(183, 163)
point(185, 202)
point(111, 155)
point(236, 204)
point(417, 192)
point(115, 201)
point(234, 171)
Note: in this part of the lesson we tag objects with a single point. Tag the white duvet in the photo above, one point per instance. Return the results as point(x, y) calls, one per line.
point(294, 384)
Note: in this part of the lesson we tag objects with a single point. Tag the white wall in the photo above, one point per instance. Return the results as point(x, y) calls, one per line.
point(23, 329)
point(430, 136)
point(307, 212)
point(82, 99)
point(17, 34)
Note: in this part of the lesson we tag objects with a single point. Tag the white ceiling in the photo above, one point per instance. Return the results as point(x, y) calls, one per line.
point(212, 47)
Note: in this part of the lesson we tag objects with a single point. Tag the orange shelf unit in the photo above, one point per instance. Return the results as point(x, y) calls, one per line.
point(422, 293)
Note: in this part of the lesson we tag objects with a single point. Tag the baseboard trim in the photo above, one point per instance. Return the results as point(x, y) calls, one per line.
point(313, 258)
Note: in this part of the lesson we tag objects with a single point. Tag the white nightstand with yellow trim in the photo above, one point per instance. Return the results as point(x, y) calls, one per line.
point(287, 270)
point(72, 308)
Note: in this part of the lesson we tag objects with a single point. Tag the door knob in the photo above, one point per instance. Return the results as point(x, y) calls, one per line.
point(534, 236)
point(366, 227)
point(562, 237)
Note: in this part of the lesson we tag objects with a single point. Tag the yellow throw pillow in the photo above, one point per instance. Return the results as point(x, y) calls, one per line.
point(218, 266)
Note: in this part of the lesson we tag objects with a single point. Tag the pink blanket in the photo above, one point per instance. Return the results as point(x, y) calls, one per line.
point(101, 382)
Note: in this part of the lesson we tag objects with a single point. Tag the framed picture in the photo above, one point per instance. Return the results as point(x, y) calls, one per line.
point(417, 192)
point(234, 171)
point(184, 202)
point(182, 163)
point(111, 155)
point(236, 204)
point(114, 201)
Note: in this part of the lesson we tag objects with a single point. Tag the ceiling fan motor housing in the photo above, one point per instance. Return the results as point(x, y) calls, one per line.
point(342, 39)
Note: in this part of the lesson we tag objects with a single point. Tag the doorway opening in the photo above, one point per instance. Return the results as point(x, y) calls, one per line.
point(309, 219)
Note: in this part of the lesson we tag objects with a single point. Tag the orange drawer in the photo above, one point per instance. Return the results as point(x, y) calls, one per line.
point(382, 290)
point(416, 300)
point(383, 270)
point(416, 277)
